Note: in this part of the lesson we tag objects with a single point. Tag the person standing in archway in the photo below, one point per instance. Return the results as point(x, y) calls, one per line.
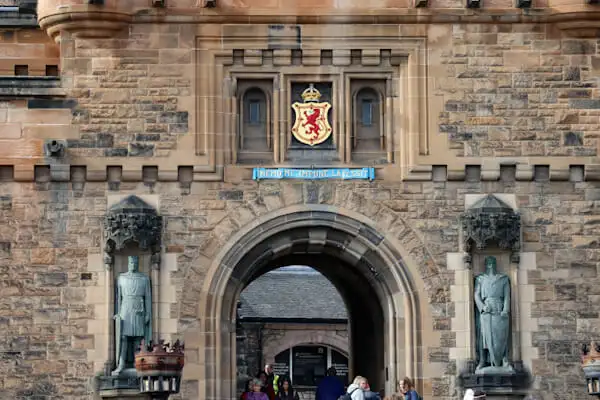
point(407, 388)
point(263, 377)
point(330, 387)
point(248, 389)
point(371, 395)
point(286, 391)
point(272, 380)
point(257, 393)
point(356, 391)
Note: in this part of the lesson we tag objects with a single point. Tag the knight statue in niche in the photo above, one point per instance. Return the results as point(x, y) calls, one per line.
point(492, 323)
point(133, 319)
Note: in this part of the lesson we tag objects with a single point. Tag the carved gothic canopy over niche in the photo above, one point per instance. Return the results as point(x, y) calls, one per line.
point(132, 220)
point(491, 220)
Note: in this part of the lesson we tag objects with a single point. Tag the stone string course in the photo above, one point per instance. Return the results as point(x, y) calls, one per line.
point(79, 174)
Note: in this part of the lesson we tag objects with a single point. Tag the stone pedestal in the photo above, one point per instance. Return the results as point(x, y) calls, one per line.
point(125, 394)
point(125, 386)
point(499, 385)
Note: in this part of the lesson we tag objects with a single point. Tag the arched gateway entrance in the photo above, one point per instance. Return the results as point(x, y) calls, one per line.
point(373, 273)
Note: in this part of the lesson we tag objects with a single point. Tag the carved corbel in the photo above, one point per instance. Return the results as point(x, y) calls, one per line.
point(109, 260)
point(155, 259)
point(468, 260)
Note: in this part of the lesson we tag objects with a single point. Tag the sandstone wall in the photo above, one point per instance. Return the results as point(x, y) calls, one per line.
point(49, 232)
point(28, 47)
point(521, 92)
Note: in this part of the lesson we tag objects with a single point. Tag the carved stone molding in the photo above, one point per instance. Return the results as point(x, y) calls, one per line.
point(132, 220)
point(491, 220)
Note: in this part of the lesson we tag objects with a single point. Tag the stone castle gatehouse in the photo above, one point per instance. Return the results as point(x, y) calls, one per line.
point(392, 145)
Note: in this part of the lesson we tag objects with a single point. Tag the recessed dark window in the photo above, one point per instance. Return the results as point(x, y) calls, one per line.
point(254, 112)
point(51, 70)
point(367, 112)
point(21, 70)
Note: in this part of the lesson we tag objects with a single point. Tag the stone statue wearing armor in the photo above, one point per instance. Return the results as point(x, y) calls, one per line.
point(492, 298)
point(133, 321)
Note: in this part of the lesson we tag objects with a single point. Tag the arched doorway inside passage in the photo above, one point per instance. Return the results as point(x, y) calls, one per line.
point(375, 277)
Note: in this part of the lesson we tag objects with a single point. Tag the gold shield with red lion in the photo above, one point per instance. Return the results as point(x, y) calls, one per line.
point(312, 123)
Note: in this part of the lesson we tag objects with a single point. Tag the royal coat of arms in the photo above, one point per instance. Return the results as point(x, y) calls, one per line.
point(312, 123)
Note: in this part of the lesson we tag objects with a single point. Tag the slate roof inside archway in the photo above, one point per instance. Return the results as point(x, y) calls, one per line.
point(292, 293)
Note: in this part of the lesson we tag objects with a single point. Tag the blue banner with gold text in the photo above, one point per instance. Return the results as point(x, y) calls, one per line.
point(313, 173)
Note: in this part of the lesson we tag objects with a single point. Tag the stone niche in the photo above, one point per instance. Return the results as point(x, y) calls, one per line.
point(132, 227)
point(491, 227)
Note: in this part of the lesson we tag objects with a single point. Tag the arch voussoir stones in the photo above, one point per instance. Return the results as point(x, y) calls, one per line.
point(385, 223)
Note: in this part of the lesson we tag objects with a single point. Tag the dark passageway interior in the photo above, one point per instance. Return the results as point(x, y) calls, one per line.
point(355, 285)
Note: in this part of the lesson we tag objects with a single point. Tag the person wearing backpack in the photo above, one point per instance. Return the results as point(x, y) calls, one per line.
point(407, 388)
point(356, 391)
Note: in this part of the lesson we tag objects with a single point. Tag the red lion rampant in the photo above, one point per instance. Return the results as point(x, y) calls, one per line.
point(311, 121)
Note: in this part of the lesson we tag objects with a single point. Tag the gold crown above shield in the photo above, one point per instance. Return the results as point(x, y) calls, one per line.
point(311, 94)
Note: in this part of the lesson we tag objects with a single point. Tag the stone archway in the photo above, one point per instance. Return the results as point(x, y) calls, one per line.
point(408, 279)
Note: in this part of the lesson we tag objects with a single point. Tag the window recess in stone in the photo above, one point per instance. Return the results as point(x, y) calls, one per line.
point(523, 3)
point(52, 70)
point(368, 136)
point(21, 70)
point(7, 173)
point(254, 141)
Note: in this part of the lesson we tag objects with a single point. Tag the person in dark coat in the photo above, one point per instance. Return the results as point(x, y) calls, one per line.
point(286, 391)
point(266, 388)
point(330, 387)
point(249, 388)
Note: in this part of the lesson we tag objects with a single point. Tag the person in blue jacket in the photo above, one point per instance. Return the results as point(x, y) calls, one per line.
point(330, 387)
point(407, 388)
